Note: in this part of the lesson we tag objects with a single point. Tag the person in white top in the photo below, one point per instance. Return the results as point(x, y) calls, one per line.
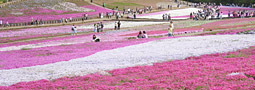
point(221, 15)
point(144, 35)
point(1, 22)
point(70, 19)
point(128, 10)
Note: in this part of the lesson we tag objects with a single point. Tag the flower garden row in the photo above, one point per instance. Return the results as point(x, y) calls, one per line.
point(25, 19)
point(46, 65)
point(233, 70)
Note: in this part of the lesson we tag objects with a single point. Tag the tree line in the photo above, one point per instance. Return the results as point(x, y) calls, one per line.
point(224, 2)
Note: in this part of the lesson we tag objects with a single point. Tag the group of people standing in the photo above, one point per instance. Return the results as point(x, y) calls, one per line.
point(99, 27)
point(170, 31)
point(117, 25)
point(241, 14)
point(36, 22)
point(166, 17)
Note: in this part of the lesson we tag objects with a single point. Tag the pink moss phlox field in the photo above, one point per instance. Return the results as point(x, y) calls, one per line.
point(224, 32)
point(225, 9)
point(43, 41)
point(203, 72)
point(220, 24)
point(22, 19)
point(46, 55)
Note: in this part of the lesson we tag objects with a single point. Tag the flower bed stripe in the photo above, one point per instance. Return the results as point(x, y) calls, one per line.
point(141, 54)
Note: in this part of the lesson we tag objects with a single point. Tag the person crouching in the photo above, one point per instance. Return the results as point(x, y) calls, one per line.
point(95, 39)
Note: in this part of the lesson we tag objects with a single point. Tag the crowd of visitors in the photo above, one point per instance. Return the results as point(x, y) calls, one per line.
point(99, 27)
point(166, 17)
point(117, 25)
point(213, 11)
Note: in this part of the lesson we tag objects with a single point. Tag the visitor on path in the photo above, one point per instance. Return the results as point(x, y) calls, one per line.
point(110, 15)
point(1, 23)
point(91, 1)
point(70, 19)
point(7, 24)
point(169, 17)
point(107, 15)
point(59, 21)
point(102, 26)
point(116, 25)
point(103, 4)
point(66, 20)
point(251, 14)
point(228, 14)
point(95, 39)
point(74, 30)
point(170, 29)
point(140, 35)
point(144, 35)
point(134, 15)
point(221, 15)
point(191, 15)
point(98, 27)
point(95, 27)
point(117, 15)
point(85, 16)
point(41, 22)
point(163, 17)
point(128, 10)
point(119, 25)
point(32, 22)
point(36, 22)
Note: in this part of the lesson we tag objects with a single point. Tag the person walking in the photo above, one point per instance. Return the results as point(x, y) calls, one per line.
point(170, 29)
point(134, 15)
point(98, 27)
point(116, 25)
point(73, 29)
point(221, 15)
point(163, 16)
point(169, 17)
point(7, 24)
point(119, 25)
point(103, 4)
point(228, 14)
point(102, 26)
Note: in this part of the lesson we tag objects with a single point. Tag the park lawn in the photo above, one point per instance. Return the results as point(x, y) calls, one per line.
point(122, 5)
point(2, 1)
point(79, 2)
